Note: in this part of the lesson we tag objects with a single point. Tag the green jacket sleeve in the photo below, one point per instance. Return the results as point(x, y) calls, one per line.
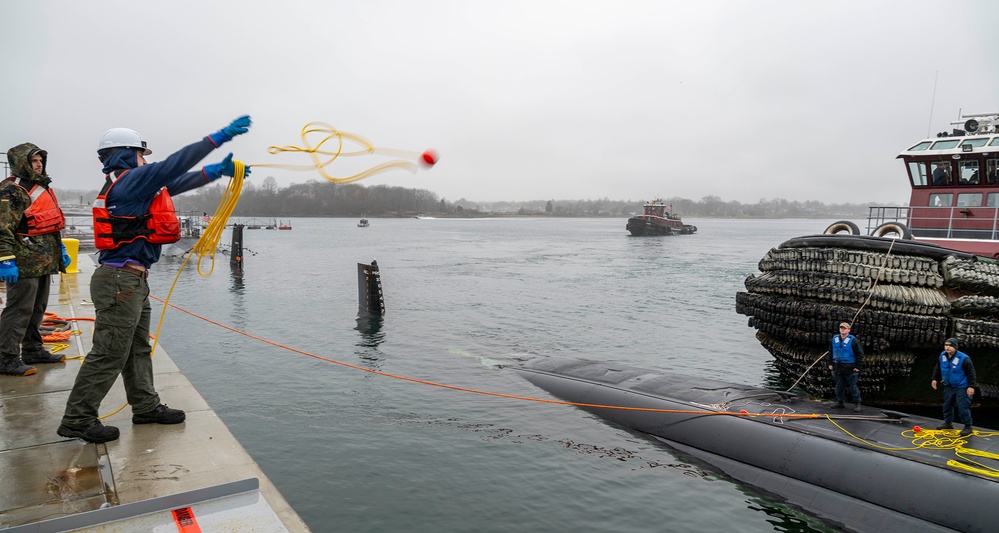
point(6, 231)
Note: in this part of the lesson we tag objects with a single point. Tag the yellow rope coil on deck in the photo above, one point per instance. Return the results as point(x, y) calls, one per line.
point(942, 439)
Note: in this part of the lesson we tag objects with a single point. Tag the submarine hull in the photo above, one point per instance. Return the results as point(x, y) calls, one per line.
point(862, 470)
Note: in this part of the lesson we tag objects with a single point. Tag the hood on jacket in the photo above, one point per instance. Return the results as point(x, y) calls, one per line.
point(120, 159)
point(19, 158)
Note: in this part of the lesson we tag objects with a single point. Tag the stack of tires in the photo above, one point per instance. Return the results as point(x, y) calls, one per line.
point(903, 299)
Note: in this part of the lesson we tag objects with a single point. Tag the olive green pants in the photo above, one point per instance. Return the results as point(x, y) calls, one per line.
point(27, 300)
point(121, 346)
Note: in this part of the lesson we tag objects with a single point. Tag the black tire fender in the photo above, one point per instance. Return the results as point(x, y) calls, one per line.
point(842, 226)
point(896, 228)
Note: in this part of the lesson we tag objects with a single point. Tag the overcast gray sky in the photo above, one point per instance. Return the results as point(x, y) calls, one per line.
point(803, 100)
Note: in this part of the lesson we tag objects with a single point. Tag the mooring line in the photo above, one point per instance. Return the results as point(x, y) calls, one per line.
point(929, 438)
point(475, 391)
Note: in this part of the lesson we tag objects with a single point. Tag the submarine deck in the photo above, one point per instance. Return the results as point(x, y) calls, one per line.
point(869, 470)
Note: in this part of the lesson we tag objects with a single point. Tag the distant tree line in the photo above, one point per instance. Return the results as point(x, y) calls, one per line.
point(324, 199)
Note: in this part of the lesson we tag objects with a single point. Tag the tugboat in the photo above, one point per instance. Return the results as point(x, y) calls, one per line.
point(659, 219)
point(926, 272)
point(363, 223)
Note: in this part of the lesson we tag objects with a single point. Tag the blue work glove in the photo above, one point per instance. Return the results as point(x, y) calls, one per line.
point(66, 260)
point(225, 168)
point(8, 271)
point(237, 127)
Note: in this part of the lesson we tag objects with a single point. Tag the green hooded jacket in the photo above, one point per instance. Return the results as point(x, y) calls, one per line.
point(38, 255)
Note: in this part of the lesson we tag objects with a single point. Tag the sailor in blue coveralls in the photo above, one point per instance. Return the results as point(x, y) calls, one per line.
point(844, 360)
point(957, 375)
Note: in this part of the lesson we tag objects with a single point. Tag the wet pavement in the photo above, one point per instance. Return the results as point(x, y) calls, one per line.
point(45, 476)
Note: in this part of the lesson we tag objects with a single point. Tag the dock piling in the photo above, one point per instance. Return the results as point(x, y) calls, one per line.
point(369, 289)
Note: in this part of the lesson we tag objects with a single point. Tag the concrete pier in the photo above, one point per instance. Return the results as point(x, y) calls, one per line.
point(44, 476)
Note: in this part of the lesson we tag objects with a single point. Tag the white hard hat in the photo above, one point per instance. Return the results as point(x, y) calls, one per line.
point(122, 138)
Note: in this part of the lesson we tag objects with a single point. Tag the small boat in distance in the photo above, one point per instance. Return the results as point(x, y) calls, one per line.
point(659, 219)
point(363, 223)
point(284, 225)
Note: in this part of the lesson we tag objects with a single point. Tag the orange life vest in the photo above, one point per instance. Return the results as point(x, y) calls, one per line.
point(159, 226)
point(43, 216)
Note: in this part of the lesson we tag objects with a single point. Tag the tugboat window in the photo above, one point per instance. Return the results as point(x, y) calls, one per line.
point(969, 200)
point(976, 143)
point(995, 142)
point(918, 173)
point(969, 173)
point(922, 146)
point(942, 173)
point(941, 200)
point(993, 200)
point(945, 145)
point(991, 175)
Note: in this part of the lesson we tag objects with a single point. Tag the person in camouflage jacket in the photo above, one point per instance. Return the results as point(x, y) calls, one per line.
point(27, 261)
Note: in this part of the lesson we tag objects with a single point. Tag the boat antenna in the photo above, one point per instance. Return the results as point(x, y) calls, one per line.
point(932, 100)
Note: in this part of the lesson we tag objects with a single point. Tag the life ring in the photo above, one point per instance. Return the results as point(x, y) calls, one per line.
point(841, 227)
point(896, 228)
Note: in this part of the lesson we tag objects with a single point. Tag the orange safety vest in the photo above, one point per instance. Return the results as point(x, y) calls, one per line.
point(43, 216)
point(159, 226)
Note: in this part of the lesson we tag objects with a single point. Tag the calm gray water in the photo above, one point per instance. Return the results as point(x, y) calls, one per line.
point(355, 451)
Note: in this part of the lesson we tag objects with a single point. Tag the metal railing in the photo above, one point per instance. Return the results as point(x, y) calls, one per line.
point(939, 222)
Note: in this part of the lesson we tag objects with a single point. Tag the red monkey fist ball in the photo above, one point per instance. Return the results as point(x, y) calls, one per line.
point(429, 157)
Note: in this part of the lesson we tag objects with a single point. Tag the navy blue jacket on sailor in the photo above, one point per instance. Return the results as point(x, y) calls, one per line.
point(957, 371)
point(134, 192)
point(846, 351)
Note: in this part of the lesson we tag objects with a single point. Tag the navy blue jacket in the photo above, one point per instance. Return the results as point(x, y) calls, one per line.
point(960, 371)
point(134, 192)
point(847, 352)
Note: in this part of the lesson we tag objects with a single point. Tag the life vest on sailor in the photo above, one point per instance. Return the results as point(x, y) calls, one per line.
point(842, 350)
point(159, 226)
point(43, 216)
point(952, 370)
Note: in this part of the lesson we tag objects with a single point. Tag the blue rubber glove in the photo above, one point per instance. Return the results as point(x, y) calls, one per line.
point(237, 127)
point(66, 260)
point(8, 271)
point(225, 168)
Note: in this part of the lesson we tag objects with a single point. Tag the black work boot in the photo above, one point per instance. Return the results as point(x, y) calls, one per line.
point(856, 408)
point(161, 415)
point(96, 433)
point(945, 425)
point(42, 357)
point(12, 365)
